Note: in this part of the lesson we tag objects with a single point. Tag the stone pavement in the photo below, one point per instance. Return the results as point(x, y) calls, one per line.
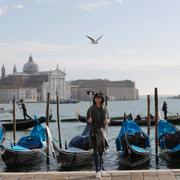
point(87, 175)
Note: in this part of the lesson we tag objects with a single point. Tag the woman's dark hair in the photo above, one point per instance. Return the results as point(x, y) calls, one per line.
point(99, 95)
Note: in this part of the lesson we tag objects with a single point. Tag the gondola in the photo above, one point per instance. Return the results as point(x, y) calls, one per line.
point(22, 124)
point(169, 142)
point(2, 110)
point(68, 101)
point(77, 154)
point(133, 145)
point(28, 150)
point(118, 121)
point(2, 135)
point(113, 119)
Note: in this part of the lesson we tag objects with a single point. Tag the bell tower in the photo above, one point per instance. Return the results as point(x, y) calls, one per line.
point(3, 72)
point(14, 69)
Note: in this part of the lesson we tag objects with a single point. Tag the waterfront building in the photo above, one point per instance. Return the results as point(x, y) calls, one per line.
point(114, 90)
point(32, 85)
point(56, 83)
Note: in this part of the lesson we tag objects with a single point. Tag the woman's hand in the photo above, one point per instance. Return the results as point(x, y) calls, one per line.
point(106, 122)
point(90, 120)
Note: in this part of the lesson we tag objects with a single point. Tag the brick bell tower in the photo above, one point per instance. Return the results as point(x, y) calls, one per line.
point(3, 72)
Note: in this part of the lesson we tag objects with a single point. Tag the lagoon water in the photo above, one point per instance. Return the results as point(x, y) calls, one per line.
point(71, 129)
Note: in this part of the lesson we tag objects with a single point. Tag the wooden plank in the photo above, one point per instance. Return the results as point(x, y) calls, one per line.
point(136, 176)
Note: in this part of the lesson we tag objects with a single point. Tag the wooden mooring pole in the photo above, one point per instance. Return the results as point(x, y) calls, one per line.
point(148, 115)
point(47, 124)
point(14, 121)
point(106, 100)
point(156, 120)
point(58, 121)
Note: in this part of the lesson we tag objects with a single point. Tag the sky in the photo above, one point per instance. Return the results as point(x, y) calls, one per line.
point(141, 39)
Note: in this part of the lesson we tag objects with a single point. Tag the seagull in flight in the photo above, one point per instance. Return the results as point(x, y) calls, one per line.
point(94, 41)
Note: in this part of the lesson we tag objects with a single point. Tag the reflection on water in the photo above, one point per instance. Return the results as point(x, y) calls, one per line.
point(72, 129)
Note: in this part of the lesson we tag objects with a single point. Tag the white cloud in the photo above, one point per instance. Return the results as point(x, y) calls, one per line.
point(3, 10)
point(17, 6)
point(124, 51)
point(44, 1)
point(95, 4)
point(20, 46)
point(45, 54)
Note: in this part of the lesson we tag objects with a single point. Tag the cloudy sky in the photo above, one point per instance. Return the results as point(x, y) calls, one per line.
point(141, 39)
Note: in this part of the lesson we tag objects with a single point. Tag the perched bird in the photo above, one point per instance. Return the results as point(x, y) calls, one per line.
point(93, 41)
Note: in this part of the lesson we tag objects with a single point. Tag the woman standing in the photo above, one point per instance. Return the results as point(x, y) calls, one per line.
point(97, 116)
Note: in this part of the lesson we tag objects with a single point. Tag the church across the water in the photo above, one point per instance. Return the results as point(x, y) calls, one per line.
point(32, 84)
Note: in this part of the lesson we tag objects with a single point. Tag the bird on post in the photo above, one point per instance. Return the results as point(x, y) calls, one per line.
point(94, 41)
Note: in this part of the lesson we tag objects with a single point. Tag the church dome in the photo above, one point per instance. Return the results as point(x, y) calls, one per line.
point(30, 67)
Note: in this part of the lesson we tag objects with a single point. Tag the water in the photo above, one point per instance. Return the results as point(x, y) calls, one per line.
point(71, 129)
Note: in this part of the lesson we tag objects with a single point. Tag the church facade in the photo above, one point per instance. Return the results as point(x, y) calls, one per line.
point(32, 85)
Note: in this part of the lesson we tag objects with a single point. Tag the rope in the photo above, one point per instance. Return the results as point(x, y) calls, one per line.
point(55, 140)
point(127, 143)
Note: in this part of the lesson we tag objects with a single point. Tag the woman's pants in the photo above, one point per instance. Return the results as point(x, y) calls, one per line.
point(98, 148)
point(98, 161)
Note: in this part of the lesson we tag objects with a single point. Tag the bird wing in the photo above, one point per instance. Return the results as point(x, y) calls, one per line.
point(99, 38)
point(90, 38)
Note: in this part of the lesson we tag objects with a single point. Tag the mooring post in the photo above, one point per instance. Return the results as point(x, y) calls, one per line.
point(14, 121)
point(148, 115)
point(106, 100)
point(58, 121)
point(47, 124)
point(156, 120)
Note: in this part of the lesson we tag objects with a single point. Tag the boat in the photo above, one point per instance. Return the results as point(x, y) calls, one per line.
point(28, 150)
point(3, 110)
point(118, 121)
point(133, 145)
point(77, 154)
point(169, 142)
point(63, 101)
point(21, 124)
point(83, 118)
point(2, 135)
point(69, 120)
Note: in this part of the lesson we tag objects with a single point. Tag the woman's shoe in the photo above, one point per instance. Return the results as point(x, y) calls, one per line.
point(98, 175)
point(103, 173)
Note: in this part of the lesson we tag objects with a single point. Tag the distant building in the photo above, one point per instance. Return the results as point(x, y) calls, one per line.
point(56, 83)
point(32, 85)
point(114, 90)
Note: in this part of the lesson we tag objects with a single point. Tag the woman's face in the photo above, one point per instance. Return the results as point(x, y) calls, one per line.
point(98, 100)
